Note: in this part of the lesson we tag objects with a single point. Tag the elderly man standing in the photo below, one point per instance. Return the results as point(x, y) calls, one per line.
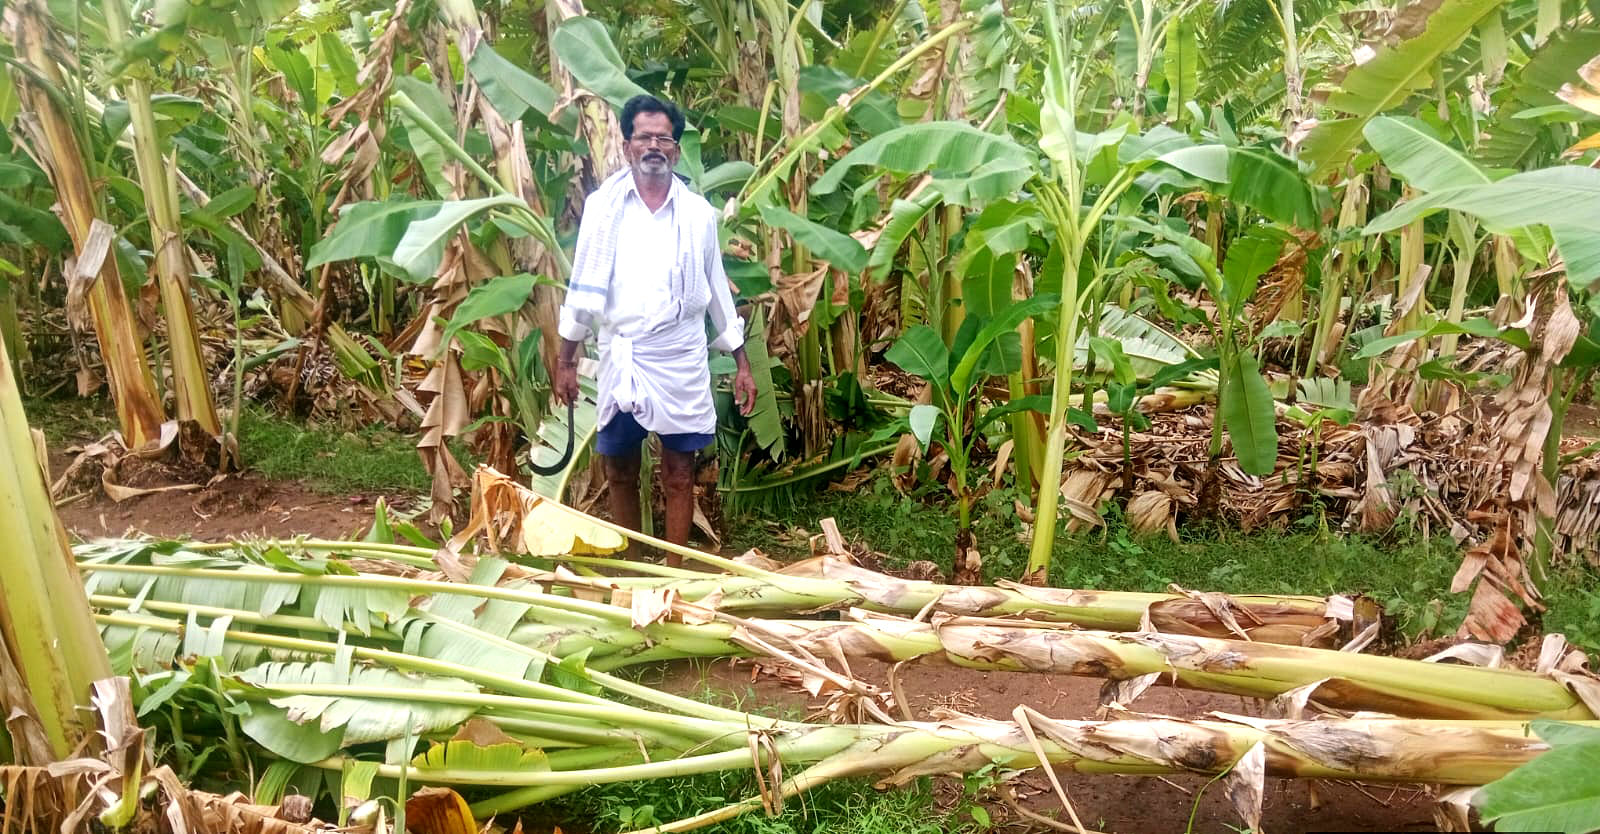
point(646, 274)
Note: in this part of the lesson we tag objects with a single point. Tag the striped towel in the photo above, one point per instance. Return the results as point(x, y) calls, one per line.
point(593, 264)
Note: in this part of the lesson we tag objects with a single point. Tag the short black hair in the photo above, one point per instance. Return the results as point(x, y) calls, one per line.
point(650, 104)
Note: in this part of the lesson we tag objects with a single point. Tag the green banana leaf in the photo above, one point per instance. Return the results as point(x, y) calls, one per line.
point(309, 728)
point(1249, 414)
point(942, 146)
point(1147, 347)
point(586, 50)
point(1560, 197)
point(1391, 76)
point(1410, 148)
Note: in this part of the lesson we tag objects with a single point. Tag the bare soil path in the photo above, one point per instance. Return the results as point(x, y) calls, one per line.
point(244, 505)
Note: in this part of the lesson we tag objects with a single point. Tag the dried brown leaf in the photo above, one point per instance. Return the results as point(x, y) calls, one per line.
point(439, 810)
point(1245, 785)
point(1492, 616)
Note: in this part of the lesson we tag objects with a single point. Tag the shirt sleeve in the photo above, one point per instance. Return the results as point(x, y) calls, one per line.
point(574, 324)
point(724, 318)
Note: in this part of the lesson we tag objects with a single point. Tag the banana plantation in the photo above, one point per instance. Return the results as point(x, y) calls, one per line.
point(1052, 286)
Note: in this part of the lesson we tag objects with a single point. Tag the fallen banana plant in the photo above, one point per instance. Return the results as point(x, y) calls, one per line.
point(517, 522)
point(516, 725)
point(1132, 661)
point(834, 582)
point(254, 592)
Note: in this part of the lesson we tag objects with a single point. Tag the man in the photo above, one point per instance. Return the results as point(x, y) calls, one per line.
point(646, 273)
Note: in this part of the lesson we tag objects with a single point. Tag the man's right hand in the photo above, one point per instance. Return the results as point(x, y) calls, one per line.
point(566, 390)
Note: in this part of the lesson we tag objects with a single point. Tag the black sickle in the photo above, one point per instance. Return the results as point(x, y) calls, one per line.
point(566, 456)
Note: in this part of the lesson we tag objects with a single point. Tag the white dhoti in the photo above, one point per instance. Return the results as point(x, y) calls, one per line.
point(661, 377)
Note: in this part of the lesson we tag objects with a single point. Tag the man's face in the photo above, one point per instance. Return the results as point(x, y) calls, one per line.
point(651, 149)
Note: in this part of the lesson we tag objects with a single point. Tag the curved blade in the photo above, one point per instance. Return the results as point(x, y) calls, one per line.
point(566, 455)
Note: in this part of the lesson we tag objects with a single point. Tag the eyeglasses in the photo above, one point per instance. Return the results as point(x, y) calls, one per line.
point(652, 141)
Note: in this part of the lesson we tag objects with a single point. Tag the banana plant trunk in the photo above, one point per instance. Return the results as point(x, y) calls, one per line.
point(1065, 210)
point(967, 569)
point(159, 184)
point(1061, 195)
point(95, 277)
point(1352, 213)
point(1411, 271)
point(50, 649)
point(1027, 427)
point(606, 634)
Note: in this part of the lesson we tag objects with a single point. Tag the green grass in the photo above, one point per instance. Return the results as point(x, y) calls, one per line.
point(326, 459)
point(849, 806)
point(1409, 574)
point(68, 420)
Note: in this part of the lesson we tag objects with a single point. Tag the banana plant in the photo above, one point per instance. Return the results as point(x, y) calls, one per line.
point(1174, 34)
point(1089, 175)
point(159, 186)
point(1414, 151)
point(57, 137)
point(518, 363)
point(998, 241)
point(1554, 198)
point(1244, 403)
point(52, 653)
point(953, 375)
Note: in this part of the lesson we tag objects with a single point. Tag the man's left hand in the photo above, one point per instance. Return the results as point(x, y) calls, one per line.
point(744, 389)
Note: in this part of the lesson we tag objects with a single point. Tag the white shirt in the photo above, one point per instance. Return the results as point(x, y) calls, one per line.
point(653, 361)
point(642, 267)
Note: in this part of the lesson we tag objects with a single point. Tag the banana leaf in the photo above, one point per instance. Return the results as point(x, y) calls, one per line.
point(1390, 77)
point(1147, 346)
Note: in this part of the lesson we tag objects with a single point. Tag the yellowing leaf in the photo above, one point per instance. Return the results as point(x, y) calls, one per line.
point(1587, 100)
point(1588, 143)
point(439, 811)
point(550, 529)
point(464, 754)
point(513, 517)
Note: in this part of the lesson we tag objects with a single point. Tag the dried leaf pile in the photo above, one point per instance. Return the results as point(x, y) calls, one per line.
point(1439, 474)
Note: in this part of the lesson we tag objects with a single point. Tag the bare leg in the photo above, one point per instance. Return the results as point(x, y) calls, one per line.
point(677, 481)
point(622, 483)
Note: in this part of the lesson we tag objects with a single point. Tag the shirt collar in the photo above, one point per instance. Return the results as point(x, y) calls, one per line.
point(672, 191)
